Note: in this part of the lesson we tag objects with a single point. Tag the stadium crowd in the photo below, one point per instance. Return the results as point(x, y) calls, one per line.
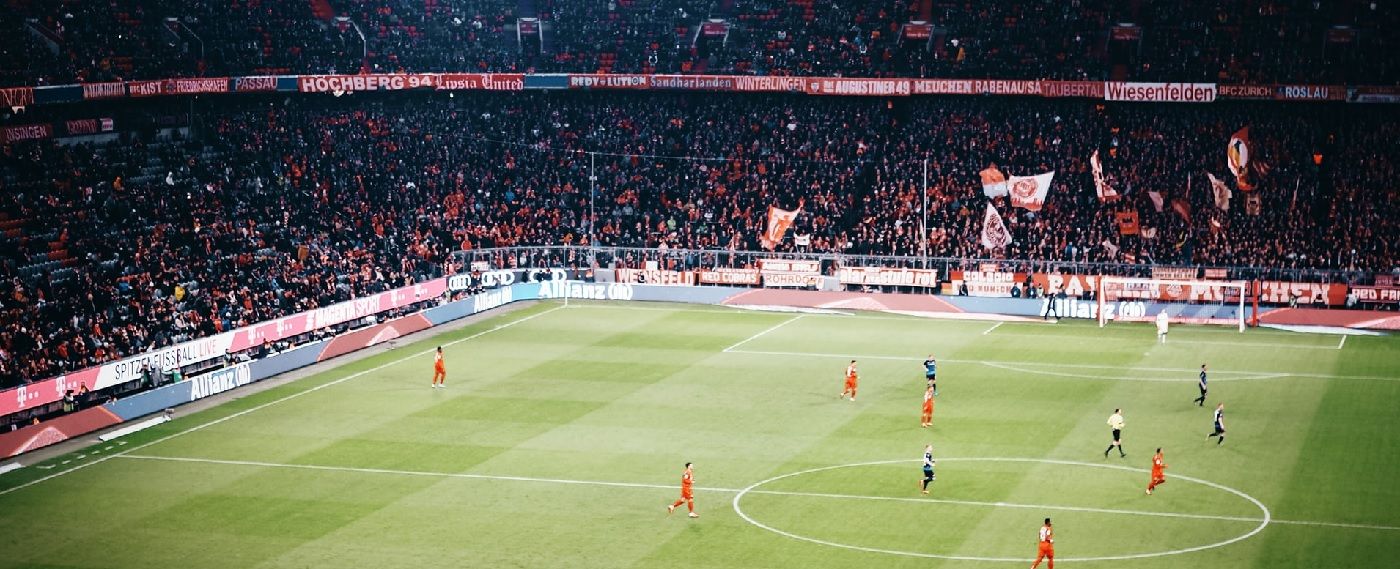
point(1256, 41)
point(281, 205)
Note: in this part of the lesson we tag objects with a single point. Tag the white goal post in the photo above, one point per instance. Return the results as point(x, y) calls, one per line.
point(1126, 299)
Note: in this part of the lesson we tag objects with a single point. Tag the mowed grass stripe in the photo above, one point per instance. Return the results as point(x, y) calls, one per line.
point(668, 335)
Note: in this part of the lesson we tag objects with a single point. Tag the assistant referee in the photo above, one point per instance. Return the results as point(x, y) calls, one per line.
point(1115, 422)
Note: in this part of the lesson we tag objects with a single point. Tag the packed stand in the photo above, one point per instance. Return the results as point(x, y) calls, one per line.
point(277, 208)
point(1256, 41)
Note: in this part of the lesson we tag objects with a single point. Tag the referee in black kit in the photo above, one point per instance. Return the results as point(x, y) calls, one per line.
point(1115, 422)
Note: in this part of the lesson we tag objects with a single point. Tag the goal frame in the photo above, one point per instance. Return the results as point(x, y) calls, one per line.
point(1243, 289)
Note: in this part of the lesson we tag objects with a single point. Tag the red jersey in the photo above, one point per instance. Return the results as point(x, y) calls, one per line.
point(437, 362)
point(1157, 464)
point(687, 481)
point(1047, 535)
point(928, 400)
point(851, 372)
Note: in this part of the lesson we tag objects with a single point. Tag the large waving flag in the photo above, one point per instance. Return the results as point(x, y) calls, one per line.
point(993, 182)
point(1237, 158)
point(779, 220)
point(994, 232)
point(1029, 191)
point(1105, 191)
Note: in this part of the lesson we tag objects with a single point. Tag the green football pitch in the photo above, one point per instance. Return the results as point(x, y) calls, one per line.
point(561, 437)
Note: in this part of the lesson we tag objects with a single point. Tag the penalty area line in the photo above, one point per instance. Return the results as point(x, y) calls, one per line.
point(761, 334)
point(646, 486)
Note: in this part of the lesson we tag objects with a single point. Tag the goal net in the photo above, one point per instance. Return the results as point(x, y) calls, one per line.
point(1126, 299)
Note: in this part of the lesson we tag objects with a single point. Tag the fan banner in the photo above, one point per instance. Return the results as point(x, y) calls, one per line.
point(1029, 192)
point(1221, 192)
point(1105, 191)
point(1182, 208)
point(1157, 200)
point(779, 220)
point(1237, 158)
point(994, 232)
point(1127, 222)
point(993, 182)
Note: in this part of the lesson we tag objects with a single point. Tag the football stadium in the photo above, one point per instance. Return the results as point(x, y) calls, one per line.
point(725, 284)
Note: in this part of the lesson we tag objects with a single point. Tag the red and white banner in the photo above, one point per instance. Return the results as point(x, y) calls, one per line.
point(1101, 187)
point(377, 82)
point(917, 30)
point(842, 86)
point(16, 96)
point(769, 83)
point(12, 134)
point(994, 232)
point(1159, 92)
point(693, 82)
point(746, 277)
point(1085, 89)
point(1174, 273)
point(196, 85)
point(1389, 295)
point(1259, 92)
point(203, 349)
point(1278, 292)
point(1029, 192)
point(779, 220)
point(1127, 222)
point(882, 276)
point(974, 87)
point(145, 88)
point(656, 277)
point(481, 82)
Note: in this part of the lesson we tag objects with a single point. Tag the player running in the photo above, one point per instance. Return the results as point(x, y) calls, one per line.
point(439, 370)
point(926, 419)
point(1162, 327)
point(1047, 545)
point(1219, 424)
point(687, 492)
point(1201, 401)
point(928, 469)
point(1115, 422)
point(851, 380)
point(1159, 477)
point(931, 373)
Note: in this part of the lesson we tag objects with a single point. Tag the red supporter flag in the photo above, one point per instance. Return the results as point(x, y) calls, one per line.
point(1182, 208)
point(994, 232)
point(1237, 158)
point(1127, 222)
point(779, 220)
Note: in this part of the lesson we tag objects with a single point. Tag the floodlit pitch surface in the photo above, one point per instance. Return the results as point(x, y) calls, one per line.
point(561, 437)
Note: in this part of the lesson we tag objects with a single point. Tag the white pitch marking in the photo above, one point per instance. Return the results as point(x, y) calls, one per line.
point(1343, 342)
point(271, 403)
point(1067, 366)
point(605, 483)
point(1183, 379)
point(994, 327)
point(761, 334)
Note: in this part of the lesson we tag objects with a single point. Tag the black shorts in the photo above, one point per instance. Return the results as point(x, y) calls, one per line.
point(928, 474)
point(1218, 429)
point(1117, 434)
point(931, 377)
